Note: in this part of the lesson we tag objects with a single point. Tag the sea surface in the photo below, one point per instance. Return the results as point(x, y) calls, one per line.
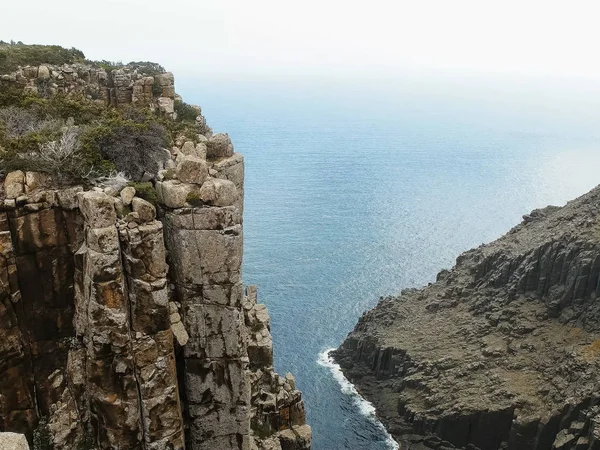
point(358, 189)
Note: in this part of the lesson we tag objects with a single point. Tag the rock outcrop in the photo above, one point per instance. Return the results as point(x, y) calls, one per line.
point(124, 324)
point(502, 351)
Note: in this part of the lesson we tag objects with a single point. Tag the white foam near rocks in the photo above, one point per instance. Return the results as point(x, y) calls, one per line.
point(365, 407)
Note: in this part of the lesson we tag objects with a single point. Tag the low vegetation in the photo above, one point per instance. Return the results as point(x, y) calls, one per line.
point(15, 54)
point(146, 191)
point(77, 138)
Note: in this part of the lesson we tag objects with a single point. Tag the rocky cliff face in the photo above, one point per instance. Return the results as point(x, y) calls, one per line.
point(502, 351)
point(123, 324)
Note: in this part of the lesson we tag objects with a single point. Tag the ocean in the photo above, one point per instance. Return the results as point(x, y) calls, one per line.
point(359, 189)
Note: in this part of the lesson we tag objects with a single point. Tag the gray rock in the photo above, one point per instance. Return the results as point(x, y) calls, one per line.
point(218, 192)
point(14, 184)
point(145, 210)
point(127, 195)
point(219, 146)
point(13, 441)
point(192, 169)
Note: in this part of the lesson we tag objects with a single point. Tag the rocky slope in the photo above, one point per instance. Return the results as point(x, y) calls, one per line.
point(124, 324)
point(502, 351)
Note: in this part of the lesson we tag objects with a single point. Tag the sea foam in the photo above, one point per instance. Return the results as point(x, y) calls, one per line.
point(365, 407)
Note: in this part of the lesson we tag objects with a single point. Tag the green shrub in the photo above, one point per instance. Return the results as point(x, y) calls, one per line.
point(134, 146)
point(169, 174)
point(107, 65)
point(42, 438)
point(15, 55)
point(146, 191)
point(147, 68)
point(156, 89)
point(185, 112)
point(193, 198)
point(10, 96)
point(80, 108)
point(63, 159)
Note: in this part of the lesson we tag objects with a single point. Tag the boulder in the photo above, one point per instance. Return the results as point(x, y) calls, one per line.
point(191, 149)
point(166, 105)
point(218, 192)
point(173, 193)
point(67, 198)
point(192, 169)
point(98, 209)
point(164, 79)
point(43, 73)
point(14, 184)
point(13, 441)
point(127, 195)
point(219, 146)
point(145, 210)
point(36, 180)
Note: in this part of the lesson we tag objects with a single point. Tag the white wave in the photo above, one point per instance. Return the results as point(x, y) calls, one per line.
point(365, 407)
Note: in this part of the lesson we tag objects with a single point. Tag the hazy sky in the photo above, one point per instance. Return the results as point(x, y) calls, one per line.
point(321, 36)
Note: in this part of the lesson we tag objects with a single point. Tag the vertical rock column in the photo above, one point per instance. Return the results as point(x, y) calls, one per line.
point(204, 238)
point(37, 240)
point(111, 379)
point(17, 392)
point(153, 351)
point(277, 417)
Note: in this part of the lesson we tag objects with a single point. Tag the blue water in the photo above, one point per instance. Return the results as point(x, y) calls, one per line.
point(358, 190)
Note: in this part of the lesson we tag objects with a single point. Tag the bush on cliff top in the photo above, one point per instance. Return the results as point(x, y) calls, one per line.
point(13, 55)
point(129, 139)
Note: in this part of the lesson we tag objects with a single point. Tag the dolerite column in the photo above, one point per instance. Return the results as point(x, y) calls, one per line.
point(17, 391)
point(152, 339)
point(111, 378)
point(203, 229)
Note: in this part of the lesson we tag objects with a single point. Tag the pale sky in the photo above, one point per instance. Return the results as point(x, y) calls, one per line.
point(239, 37)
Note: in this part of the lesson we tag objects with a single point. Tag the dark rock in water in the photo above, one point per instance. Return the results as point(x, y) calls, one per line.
point(502, 351)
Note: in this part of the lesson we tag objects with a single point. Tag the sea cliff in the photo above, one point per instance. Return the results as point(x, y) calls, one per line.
point(124, 323)
point(502, 351)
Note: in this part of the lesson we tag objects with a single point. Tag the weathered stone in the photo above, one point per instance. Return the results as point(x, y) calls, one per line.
point(166, 105)
point(14, 184)
point(218, 192)
point(145, 210)
point(98, 209)
point(68, 198)
point(90, 311)
point(36, 180)
point(13, 441)
point(43, 73)
point(205, 218)
point(127, 195)
point(219, 146)
point(192, 169)
point(173, 193)
point(164, 79)
point(297, 438)
point(180, 333)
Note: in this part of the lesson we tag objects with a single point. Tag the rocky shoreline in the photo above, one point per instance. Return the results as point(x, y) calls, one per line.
point(502, 351)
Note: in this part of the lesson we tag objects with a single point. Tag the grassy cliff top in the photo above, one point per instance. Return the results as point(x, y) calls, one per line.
point(79, 127)
point(17, 54)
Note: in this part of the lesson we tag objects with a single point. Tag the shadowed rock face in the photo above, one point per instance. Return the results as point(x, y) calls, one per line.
point(502, 351)
point(125, 325)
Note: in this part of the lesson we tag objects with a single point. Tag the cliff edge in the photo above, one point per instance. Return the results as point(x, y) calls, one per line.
point(502, 351)
point(123, 320)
